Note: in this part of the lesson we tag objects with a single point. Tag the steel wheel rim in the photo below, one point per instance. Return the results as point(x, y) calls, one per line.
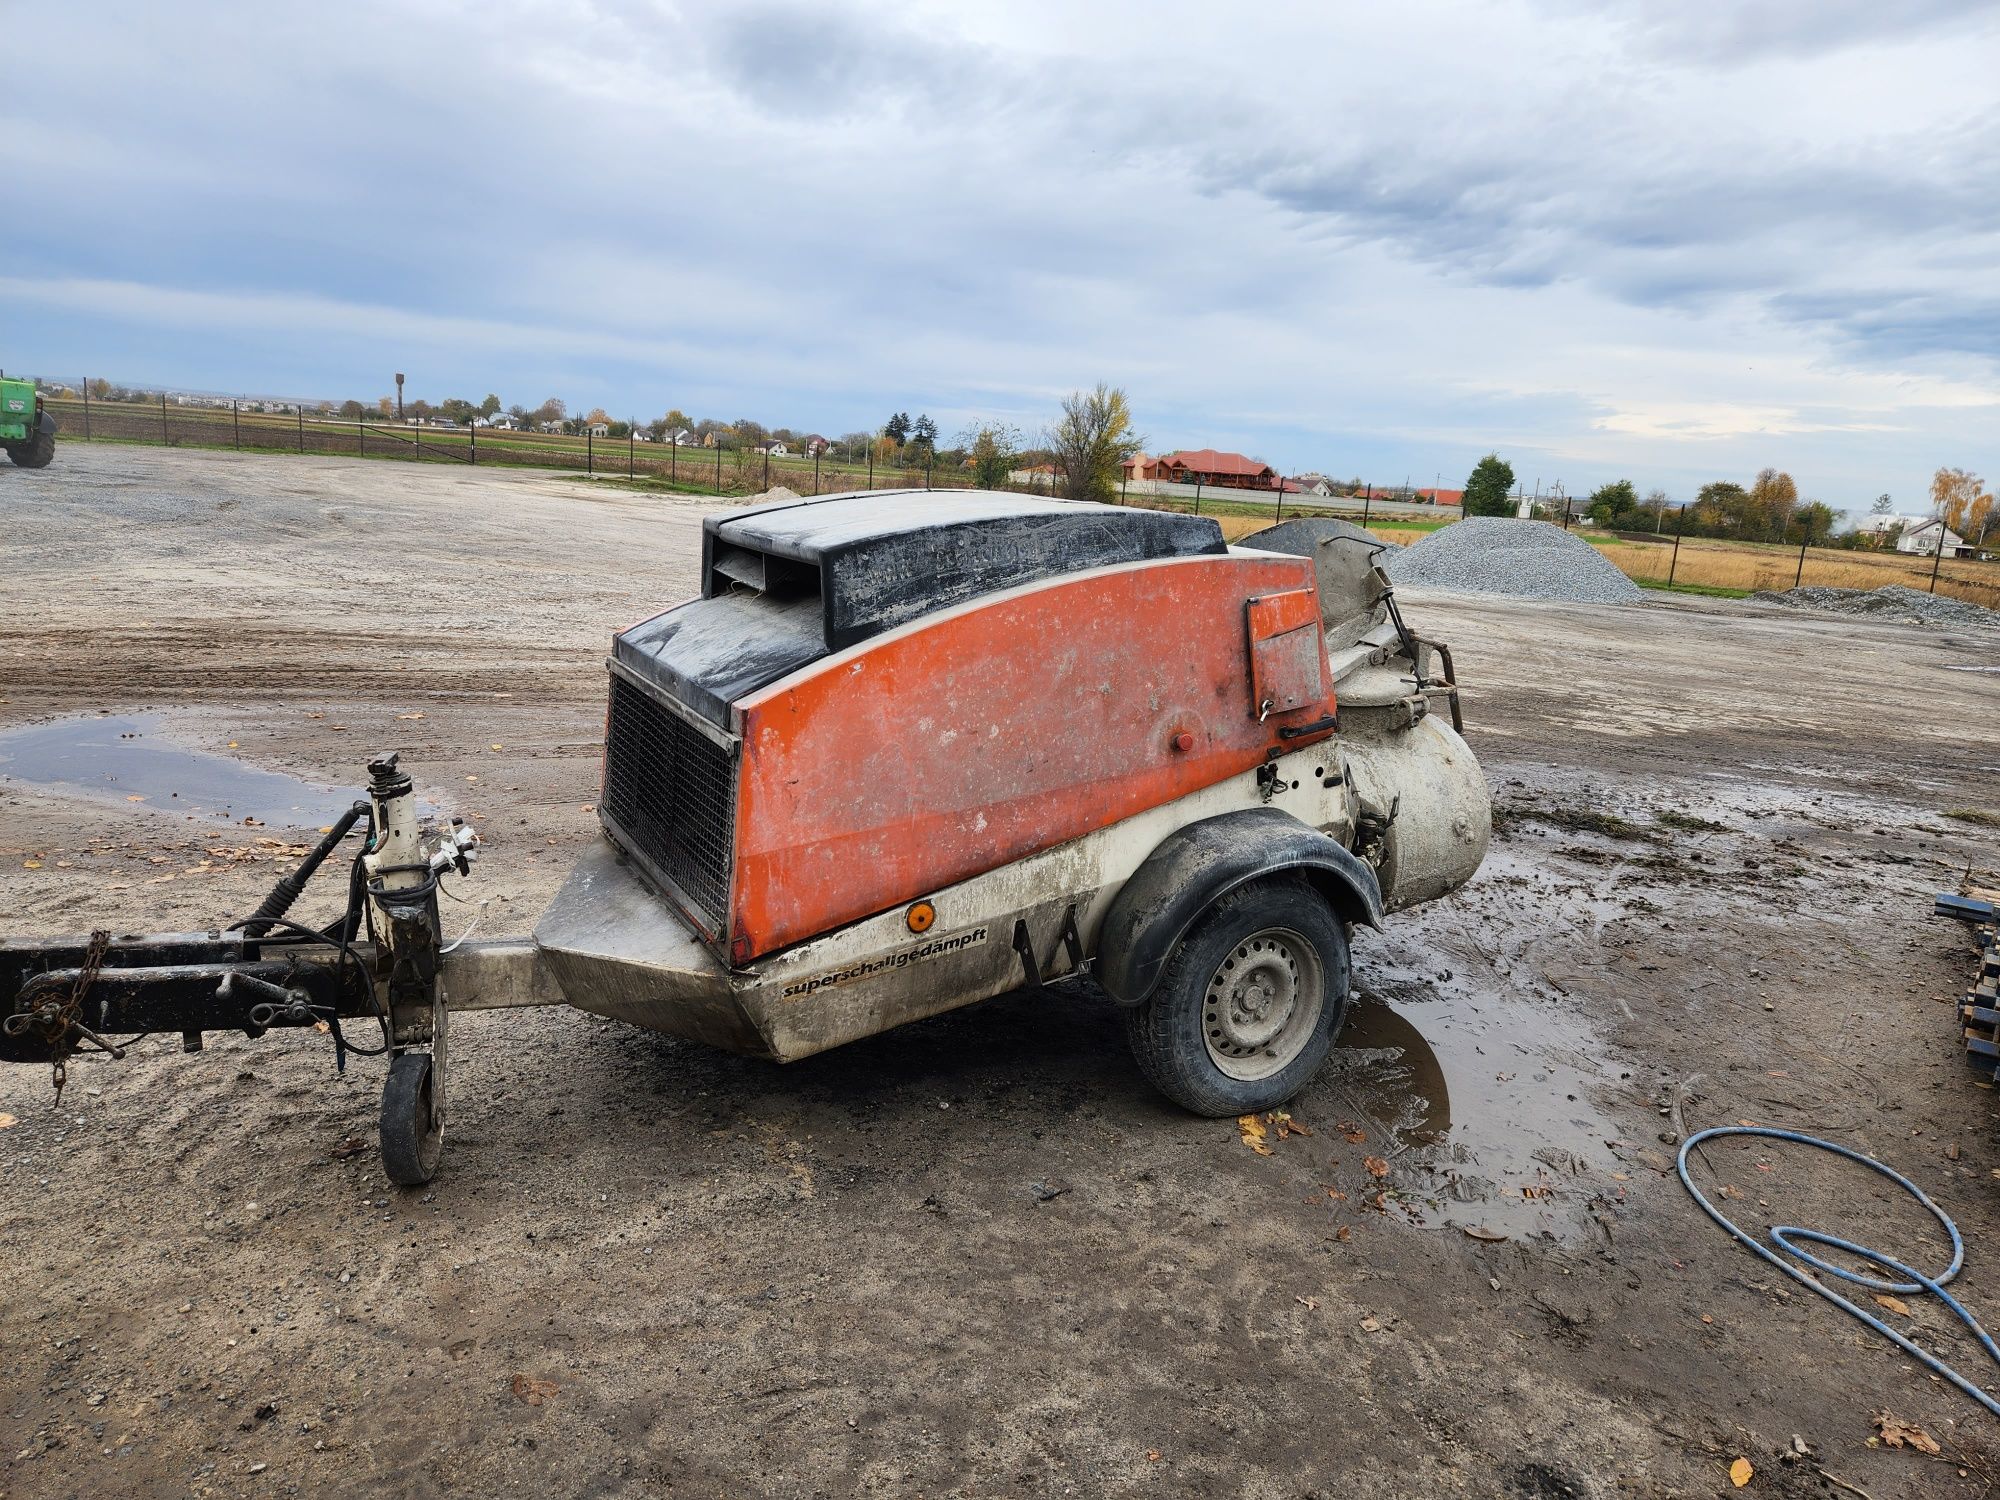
point(1262, 1004)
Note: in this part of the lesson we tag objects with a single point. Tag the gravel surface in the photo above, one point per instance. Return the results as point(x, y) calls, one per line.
point(1895, 601)
point(1522, 559)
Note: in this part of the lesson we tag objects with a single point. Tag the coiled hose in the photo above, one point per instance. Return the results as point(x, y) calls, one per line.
point(1787, 1237)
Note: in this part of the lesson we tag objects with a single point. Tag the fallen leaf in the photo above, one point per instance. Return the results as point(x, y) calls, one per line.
point(1899, 1434)
point(135, 797)
point(1343, 1234)
point(1254, 1133)
point(1369, 1325)
point(531, 1392)
point(417, 715)
point(1895, 1304)
point(1740, 1472)
point(1310, 1304)
point(232, 744)
point(493, 747)
point(1152, 1455)
point(1352, 1132)
point(31, 864)
point(1376, 1166)
point(1480, 1232)
point(354, 1145)
point(8, 1122)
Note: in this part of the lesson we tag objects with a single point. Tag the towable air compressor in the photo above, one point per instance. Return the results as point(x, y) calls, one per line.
point(906, 751)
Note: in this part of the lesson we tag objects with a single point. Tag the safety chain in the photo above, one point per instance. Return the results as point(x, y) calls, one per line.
point(60, 1024)
point(86, 976)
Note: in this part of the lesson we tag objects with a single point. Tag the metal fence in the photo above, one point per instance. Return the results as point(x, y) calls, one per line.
point(161, 419)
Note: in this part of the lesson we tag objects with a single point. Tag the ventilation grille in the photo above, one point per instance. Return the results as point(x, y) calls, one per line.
point(670, 793)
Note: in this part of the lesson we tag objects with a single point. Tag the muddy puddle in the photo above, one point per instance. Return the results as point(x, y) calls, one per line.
point(130, 759)
point(1482, 1114)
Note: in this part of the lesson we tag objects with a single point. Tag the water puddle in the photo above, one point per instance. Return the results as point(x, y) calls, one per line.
point(127, 759)
point(1484, 1121)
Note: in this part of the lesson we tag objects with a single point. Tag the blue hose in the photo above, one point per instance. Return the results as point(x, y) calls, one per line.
point(1788, 1238)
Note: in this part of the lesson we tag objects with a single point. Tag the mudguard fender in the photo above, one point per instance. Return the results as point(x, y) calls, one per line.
point(1198, 863)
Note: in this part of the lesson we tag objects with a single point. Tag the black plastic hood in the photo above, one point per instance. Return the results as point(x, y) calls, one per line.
point(786, 583)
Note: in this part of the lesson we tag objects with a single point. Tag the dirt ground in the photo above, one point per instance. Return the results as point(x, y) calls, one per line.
point(978, 1256)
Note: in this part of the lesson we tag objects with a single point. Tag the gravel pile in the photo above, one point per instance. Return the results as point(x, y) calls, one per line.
point(1891, 602)
point(1525, 559)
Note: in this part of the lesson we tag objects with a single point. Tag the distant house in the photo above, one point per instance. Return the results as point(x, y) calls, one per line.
point(1926, 536)
point(1219, 470)
point(640, 435)
point(1141, 466)
point(1309, 484)
point(814, 446)
point(502, 421)
point(1439, 497)
point(773, 447)
point(1033, 474)
point(680, 437)
point(600, 429)
point(555, 426)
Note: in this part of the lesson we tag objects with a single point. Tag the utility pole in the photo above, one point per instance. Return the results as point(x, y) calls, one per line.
point(399, 395)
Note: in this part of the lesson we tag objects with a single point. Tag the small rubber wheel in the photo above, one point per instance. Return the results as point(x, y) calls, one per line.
point(1249, 1003)
point(412, 1125)
point(35, 453)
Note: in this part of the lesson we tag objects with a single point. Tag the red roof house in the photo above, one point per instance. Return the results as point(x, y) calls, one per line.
point(1223, 470)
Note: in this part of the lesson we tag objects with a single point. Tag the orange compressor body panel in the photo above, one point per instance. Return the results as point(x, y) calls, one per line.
point(880, 695)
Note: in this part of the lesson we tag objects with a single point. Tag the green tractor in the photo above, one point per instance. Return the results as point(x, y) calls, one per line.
point(27, 431)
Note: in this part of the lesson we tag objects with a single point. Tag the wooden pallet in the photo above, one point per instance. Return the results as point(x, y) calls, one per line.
point(1978, 905)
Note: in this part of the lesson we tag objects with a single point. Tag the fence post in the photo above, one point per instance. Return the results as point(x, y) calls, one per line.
point(1680, 523)
point(630, 439)
point(718, 466)
point(472, 443)
point(1197, 495)
point(767, 468)
point(927, 471)
point(362, 423)
point(302, 427)
point(674, 460)
point(1367, 500)
point(815, 471)
point(1804, 543)
point(86, 409)
point(1937, 557)
point(589, 450)
point(1122, 480)
point(871, 466)
point(235, 425)
point(1281, 499)
point(165, 441)
point(1565, 513)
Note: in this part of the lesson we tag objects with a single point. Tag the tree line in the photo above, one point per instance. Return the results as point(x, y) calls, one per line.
point(1768, 509)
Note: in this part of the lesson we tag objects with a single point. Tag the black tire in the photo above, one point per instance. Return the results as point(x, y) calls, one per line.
point(1190, 1035)
point(35, 452)
point(412, 1126)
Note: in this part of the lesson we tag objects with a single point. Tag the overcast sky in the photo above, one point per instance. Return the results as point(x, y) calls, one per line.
point(1666, 241)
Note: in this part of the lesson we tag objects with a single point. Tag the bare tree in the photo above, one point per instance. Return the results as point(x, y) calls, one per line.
point(1093, 437)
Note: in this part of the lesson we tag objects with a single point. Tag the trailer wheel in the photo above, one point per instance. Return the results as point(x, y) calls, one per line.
point(412, 1124)
point(1248, 1005)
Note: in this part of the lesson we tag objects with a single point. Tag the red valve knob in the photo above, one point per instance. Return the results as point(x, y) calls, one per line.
point(1184, 741)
